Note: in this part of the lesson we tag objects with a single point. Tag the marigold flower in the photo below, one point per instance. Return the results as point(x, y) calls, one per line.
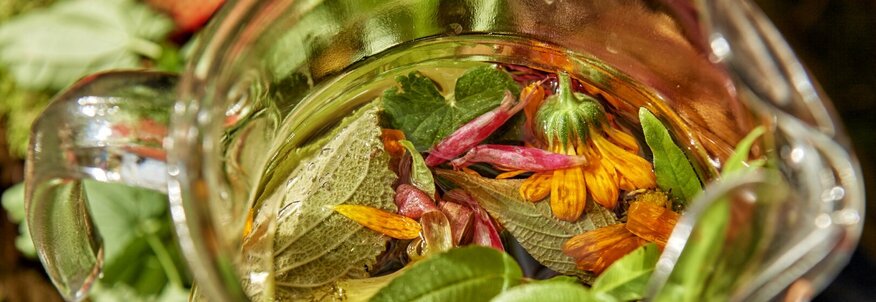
point(648, 220)
point(595, 250)
point(575, 124)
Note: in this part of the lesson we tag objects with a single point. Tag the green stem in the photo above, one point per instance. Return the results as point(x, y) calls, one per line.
point(565, 90)
point(164, 259)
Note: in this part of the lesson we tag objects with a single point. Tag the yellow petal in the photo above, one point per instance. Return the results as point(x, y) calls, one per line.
point(625, 140)
point(536, 187)
point(651, 222)
point(386, 223)
point(635, 170)
point(601, 179)
point(597, 249)
point(568, 194)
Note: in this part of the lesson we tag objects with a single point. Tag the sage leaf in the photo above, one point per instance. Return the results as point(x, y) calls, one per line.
point(426, 116)
point(674, 172)
point(551, 291)
point(51, 48)
point(532, 224)
point(314, 245)
point(471, 273)
point(627, 277)
point(421, 176)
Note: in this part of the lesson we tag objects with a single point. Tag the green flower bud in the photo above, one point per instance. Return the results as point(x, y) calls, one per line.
point(566, 116)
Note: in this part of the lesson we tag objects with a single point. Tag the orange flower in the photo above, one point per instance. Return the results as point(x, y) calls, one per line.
point(575, 124)
point(648, 220)
point(595, 250)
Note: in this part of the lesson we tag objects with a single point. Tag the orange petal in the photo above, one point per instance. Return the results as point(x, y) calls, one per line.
point(596, 250)
point(510, 174)
point(386, 223)
point(536, 187)
point(568, 194)
point(625, 140)
point(390, 138)
point(635, 170)
point(651, 222)
point(601, 179)
point(536, 93)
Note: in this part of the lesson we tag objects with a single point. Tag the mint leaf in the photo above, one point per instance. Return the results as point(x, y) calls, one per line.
point(51, 48)
point(627, 277)
point(550, 291)
point(674, 172)
point(421, 176)
point(532, 224)
point(472, 273)
point(426, 117)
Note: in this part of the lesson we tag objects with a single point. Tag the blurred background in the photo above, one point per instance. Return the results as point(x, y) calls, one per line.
point(836, 40)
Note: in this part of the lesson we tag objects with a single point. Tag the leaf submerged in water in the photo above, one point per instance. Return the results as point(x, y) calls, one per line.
point(313, 245)
point(532, 224)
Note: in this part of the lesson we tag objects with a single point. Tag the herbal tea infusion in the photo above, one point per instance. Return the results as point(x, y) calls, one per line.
point(498, 175)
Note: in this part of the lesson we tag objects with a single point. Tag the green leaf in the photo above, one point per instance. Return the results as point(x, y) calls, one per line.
point(674, 172)
point(532, 224)
point(19, 108)
point(550, 292)
point(701, 260)
point(698, 259)
point(13, 202)
point(426, 116)
point(51, 48)
point(122, 213)
point(737, 160)
point(314, 245)
point(626, 278)
point(472, 273)
point(421, 176)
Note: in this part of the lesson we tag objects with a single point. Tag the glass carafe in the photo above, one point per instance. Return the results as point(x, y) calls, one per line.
point(711, 70)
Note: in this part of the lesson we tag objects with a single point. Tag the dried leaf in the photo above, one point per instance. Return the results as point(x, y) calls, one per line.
point(532, 224)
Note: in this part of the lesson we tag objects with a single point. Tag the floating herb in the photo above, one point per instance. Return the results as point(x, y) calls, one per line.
point(674, 172)
point(426, 116)
point(471, 273)
point(698, 261)
point(315, 245)
point(532, 224)
point(421, 176)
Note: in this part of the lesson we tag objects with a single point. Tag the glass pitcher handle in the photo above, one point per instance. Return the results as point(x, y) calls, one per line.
point(109, 127)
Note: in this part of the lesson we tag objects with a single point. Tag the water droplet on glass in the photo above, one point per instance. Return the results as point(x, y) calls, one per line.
point(613, 43)
point(455, 28)
point(325, 151)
